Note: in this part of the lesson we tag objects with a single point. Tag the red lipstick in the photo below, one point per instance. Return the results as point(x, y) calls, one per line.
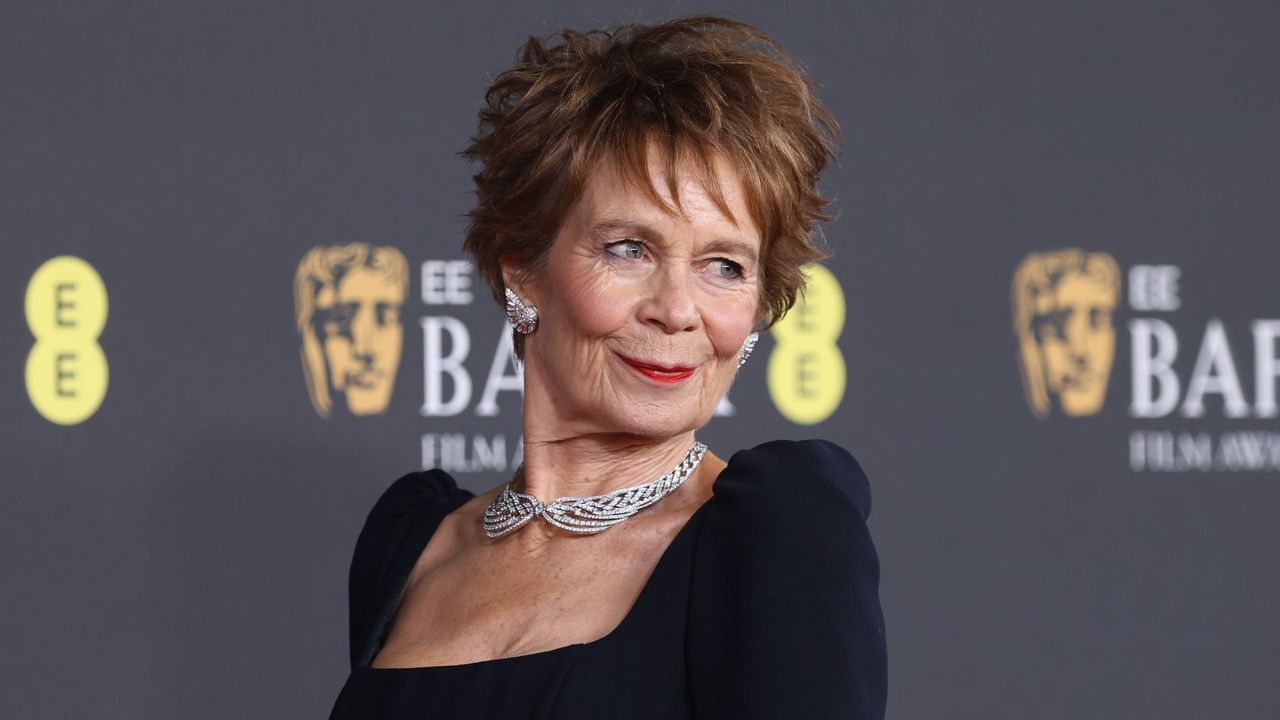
point(670, 374)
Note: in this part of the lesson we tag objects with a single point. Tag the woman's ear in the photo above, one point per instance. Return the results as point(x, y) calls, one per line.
point(511, 279)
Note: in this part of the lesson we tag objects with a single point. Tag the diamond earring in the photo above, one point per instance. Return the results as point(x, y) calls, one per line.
point(524, 318)
point(747, 346)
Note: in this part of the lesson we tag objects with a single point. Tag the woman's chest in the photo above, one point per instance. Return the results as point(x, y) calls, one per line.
point(481, 604)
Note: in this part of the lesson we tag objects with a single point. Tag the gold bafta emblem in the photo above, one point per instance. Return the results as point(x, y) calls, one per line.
point(347, 299)
point(1062, 307)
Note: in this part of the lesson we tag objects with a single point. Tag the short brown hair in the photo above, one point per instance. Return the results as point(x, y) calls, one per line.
point(698, 86)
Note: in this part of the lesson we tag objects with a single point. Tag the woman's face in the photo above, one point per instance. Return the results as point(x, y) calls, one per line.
point(641, 313)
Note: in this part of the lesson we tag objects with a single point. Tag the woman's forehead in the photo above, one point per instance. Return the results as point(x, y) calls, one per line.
point(616, 197)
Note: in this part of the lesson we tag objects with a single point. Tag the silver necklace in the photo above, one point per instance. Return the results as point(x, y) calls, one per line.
point(510, 510)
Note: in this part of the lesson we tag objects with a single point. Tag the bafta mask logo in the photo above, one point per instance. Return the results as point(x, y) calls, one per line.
point(1062, 307)
point(347, 299)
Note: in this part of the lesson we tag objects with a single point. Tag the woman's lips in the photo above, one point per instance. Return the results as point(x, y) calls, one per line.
point(660, 373)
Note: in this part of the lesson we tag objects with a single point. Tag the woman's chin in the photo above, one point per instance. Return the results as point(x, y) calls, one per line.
point(657, 426)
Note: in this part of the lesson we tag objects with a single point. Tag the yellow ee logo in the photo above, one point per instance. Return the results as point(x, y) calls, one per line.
point(806, 370)
point(66, 308)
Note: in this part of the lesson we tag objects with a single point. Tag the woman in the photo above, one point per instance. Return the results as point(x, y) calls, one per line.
point(645, 202)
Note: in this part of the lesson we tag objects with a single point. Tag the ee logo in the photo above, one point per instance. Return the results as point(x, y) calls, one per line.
point(66, 307)
point(806, 370)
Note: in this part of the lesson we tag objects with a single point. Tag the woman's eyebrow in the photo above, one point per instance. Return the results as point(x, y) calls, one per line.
point(732, 246)
point(626, 227)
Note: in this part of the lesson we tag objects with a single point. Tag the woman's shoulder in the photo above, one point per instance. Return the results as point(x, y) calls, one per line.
point(812, 476)
point(406, 506)
point(399, 523)
point(406, 499)
point(415, 491)
point(786, 536)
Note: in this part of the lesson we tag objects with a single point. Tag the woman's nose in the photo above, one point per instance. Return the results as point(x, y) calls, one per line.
point(670, 304)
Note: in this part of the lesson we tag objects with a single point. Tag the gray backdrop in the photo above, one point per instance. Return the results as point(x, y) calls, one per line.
point(182, 550)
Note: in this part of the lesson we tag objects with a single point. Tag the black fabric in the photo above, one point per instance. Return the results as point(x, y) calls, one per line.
point(764, 605)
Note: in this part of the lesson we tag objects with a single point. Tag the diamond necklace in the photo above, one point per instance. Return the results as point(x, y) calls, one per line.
point(510, 510)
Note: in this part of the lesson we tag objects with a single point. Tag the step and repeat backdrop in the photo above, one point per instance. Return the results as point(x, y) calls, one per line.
point(235, 308)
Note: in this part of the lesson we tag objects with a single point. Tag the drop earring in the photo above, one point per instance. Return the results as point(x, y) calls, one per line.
point(524, 318)
point(747, 346)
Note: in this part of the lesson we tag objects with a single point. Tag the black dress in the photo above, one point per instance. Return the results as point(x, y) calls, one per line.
point(764, 605)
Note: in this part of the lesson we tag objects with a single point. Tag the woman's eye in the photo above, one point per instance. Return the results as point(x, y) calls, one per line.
point(728, 268)
point(627, 248)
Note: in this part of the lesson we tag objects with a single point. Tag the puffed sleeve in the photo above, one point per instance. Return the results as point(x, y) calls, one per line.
point(380, 560)
point(784, 614)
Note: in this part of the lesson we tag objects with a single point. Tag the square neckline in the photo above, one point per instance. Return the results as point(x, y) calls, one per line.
point(543, 654)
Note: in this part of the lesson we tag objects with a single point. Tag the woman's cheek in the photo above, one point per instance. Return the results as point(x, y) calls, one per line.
point(741, 315)
point(599, 308)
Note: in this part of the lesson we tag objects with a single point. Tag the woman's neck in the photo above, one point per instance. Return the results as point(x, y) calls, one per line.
point(592, 464)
